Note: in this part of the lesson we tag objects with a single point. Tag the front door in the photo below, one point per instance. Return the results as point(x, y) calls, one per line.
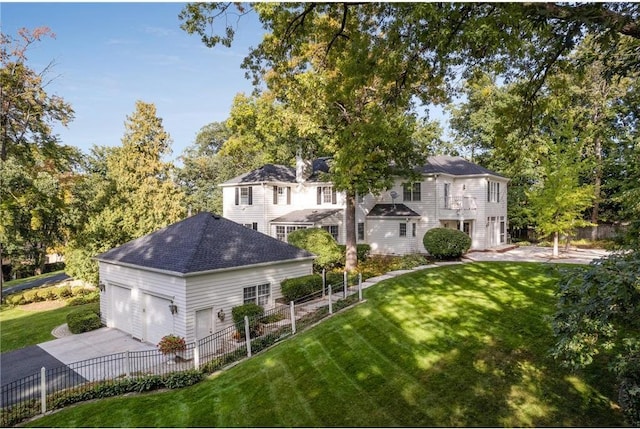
point(204, 323)
point(492, 232)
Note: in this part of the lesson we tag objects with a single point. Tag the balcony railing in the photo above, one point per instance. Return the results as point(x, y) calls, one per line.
point(460, 203)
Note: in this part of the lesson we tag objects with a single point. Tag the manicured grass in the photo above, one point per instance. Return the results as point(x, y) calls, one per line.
point(454, 346)
point(21, 328)
point(18, 282)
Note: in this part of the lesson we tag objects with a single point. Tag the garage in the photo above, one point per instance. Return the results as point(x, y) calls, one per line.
point(186, 278)
point(120, 308)
point(156, 318)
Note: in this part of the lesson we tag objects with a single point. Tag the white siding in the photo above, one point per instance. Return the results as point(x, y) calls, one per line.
point(224, 290)
point(141, 282)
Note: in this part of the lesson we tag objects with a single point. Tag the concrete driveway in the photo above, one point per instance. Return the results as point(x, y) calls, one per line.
point(21, 363)
point(539, 254)
point(88, 345)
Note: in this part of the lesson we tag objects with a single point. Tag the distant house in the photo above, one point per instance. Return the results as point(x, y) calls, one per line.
point(452, 193)
point(185, 279)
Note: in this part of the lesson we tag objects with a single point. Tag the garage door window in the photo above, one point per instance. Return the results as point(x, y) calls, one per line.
point(259, 294)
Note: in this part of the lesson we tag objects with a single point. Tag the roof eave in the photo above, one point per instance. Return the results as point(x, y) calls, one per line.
point(199, 273)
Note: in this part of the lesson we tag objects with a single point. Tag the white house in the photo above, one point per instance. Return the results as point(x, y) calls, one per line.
point(185, 279)
point(452, 193)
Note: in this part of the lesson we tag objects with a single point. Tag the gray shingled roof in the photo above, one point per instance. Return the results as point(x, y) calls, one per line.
point(306, 216)
point(454, 165)
point(266, 173)
point(203, 242)
point(446, 164)
point(393, 210)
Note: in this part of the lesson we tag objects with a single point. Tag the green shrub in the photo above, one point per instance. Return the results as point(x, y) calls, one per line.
point(253, 312)
point(83, 320)
point(300, 287)
point(93, 296)
point(362, 250)
point(16, 299)
point(445, 243)
point(319, 242)
point(65, 292)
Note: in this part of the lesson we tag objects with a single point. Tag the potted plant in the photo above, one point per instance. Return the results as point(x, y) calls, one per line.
point(170, 345)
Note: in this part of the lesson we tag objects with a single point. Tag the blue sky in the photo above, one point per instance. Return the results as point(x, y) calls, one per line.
point(108, 55)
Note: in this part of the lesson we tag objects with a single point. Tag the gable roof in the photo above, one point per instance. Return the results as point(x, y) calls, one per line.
point(266, 173)
point(392, 210)
point(204, 242)
point(306, 216)
point(454, 165)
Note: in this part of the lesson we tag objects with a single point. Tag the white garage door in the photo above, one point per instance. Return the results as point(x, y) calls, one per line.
point(120, 308)
point(157, 319)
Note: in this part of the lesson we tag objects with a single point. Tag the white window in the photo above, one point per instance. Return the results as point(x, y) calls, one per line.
point(403, 229)
point(447, 195)
point(326, 195)
point(283, 231)
point(411, 191)
point(493, 192)
point(260, 294)
point(253, 225)
point(333, 230)
point(281, 195)
point(361, 231)
point(244, 196)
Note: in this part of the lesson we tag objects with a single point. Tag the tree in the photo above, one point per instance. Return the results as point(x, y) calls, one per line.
point(127, 192)
point(598, 314)
point(35, 169)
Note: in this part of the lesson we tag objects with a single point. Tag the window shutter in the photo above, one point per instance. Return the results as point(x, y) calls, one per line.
point(319, 195)
point(289, 195)
point(334, 198)
point(275, 195)
point(488, 192)
point(255, 226)
point(237, 196)
point(497, 192)
point(250, 195)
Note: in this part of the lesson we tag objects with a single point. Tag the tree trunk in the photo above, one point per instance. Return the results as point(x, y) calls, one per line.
point(351, 258)
point(596, 189)
point(555, 245)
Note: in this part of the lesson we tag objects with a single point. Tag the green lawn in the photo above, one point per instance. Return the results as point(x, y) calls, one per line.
point(21, 328)
point(462, 345)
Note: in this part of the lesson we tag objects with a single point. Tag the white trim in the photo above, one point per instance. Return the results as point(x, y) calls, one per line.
point(199, 273)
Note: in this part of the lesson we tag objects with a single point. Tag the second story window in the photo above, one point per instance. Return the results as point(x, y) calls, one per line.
point(281, 195)
point(493, 192)
point(327, 195)
point(244, 196)
point(411, 191)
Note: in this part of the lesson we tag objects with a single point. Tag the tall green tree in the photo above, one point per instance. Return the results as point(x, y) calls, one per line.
point(127, 191)
point(35, 169)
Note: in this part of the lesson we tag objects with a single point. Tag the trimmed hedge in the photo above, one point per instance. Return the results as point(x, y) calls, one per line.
point(445, 243)
point(84, 319)
point(253, 312)
point(52, 293)
point(299, 287)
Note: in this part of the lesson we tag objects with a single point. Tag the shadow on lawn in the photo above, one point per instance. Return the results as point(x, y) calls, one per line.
point(478, 337)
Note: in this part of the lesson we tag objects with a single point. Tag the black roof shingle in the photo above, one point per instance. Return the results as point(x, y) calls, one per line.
point(204, 242)
point(392, 210)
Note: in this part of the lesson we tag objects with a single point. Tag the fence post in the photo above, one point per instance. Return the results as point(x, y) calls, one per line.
point(293, 317)
point(43, 389)
point(359, 286)
point(127, 364)
point(344, 285)
point(324, 281)
point(247, 334)
point(196, 355)
point(330, 302)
